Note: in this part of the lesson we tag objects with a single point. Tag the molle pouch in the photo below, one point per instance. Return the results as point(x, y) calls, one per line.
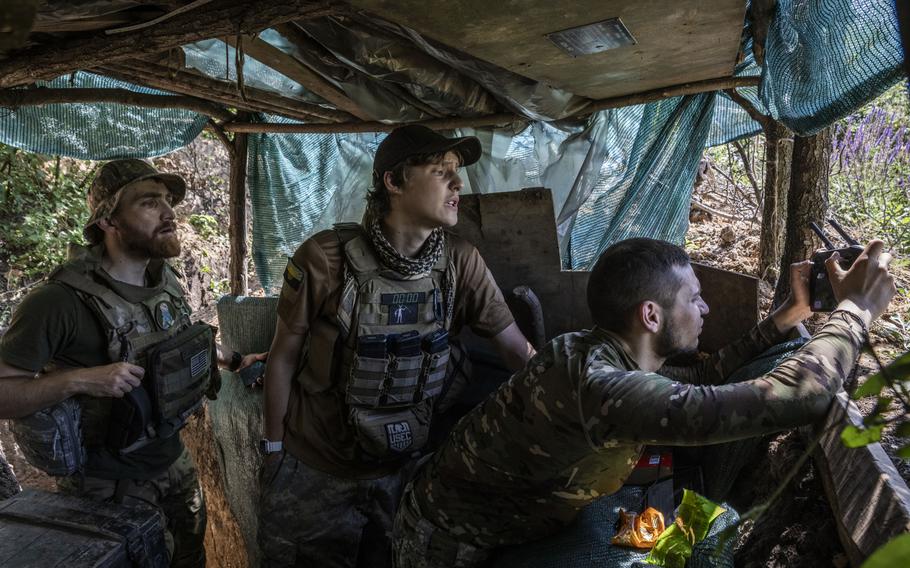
point(51, 439)
point(179, 374)
point(389, 433)
point(367, 382)
point(130, 426)
point(435, 365)
point(404, 380)
point(436, 359)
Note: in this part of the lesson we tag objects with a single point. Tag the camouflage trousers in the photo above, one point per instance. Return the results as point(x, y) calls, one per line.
point(176, 493)
point(311, 518)
point(418, 543)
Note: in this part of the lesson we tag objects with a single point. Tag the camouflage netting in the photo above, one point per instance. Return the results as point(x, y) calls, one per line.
point(247, 326)
point(586, 543)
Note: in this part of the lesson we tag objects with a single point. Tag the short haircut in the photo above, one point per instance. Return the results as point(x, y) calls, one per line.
point(629, 273)
point(378, 200)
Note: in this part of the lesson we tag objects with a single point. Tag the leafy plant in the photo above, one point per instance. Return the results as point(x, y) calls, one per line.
point(870, 169)
point(206, 226)
point(43, 210)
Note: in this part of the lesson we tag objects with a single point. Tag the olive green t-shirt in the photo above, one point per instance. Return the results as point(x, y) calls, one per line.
point(54, 326)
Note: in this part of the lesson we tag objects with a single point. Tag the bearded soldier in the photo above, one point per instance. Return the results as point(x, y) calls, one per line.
point(360, 354)
point(571, 425)
point(101, 365)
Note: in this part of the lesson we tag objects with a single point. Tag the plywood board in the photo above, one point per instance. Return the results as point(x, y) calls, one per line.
point(515, 233)
point(676, 42)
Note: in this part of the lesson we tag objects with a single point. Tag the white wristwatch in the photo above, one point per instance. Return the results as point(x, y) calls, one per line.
point(267, 447)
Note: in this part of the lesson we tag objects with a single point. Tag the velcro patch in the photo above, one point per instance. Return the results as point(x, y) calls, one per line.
point(398, 436)
point(403, 298)
point(293, 274)
point(400, 314)
point(199, 362)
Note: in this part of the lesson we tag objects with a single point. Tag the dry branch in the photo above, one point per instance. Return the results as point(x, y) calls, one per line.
point(494, 119)
point(747, 106)
point(349, 127)
point(223, 92)
point(290, 67)
point(218, 19)
point(722, 83)
point(14, 98)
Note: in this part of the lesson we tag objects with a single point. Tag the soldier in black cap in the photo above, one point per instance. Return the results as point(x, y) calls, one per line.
point(108, 344)
point(361, 351)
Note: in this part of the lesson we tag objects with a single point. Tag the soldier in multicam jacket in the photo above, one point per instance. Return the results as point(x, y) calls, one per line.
point(571, 426)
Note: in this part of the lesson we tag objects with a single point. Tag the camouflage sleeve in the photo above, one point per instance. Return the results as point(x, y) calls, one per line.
point(715, 369)
point(635, 406)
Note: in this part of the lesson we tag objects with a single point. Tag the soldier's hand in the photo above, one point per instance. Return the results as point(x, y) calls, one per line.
point(251, 358)
point(113, 380)
point(867, 283)
point(796, 307)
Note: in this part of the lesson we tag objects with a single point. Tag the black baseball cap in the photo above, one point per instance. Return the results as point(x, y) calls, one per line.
point(414, 139)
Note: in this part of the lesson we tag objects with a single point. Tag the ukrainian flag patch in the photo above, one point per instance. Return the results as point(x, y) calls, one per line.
point(293, 274)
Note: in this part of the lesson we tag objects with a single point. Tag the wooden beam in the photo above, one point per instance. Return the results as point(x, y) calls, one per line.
point(257, 100)
point(237, 230)
point(294, 69)
point(670, 92)
point(435, 124)
point(218, 19)
point(497, 119)
point(869, 498)
point(14, 98)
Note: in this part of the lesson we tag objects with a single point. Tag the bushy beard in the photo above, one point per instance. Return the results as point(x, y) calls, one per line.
point(157, 246)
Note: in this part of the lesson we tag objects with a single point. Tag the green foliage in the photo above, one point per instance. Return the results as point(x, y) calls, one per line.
point(43, 210)
point(693, 521)
point(895, 552)
point(206, 226)
point(870, 169)
point(893, 381)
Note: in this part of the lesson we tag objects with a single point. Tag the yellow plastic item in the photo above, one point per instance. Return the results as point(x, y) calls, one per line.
point(639, 530)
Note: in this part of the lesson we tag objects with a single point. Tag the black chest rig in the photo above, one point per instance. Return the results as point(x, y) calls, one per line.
point(396, 348)
point(156, 334)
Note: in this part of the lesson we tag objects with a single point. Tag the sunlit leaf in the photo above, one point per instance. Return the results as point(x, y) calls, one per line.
point(895, 552)
point(854, 437)
point(693, 521)
point(897, 370)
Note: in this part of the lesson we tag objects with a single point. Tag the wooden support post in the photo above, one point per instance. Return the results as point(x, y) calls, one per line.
point(237, 231)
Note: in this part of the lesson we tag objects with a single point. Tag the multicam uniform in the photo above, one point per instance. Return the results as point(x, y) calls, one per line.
point(570, 427)
point(327, 490)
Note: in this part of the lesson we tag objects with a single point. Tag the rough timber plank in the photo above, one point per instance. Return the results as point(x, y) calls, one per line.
point(677, 42)
point(869, 498)
point(515, 233)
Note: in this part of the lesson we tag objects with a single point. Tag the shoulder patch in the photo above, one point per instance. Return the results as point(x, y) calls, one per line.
point(293, 274)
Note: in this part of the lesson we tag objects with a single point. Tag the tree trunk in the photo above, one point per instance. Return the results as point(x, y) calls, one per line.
point(808, 201)
point(237, 230)
point(778, 154)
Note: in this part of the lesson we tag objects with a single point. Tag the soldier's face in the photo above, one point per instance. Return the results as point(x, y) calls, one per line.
point(429, 196)
point(684, 319)
point(144, 221)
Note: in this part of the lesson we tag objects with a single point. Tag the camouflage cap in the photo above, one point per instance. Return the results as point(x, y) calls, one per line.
point(104, 195)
